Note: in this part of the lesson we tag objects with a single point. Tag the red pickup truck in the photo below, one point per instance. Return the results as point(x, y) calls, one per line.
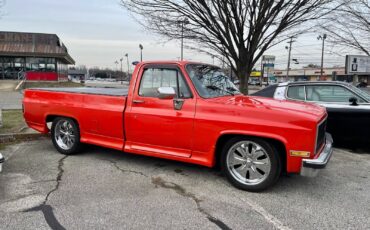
point(188, 112)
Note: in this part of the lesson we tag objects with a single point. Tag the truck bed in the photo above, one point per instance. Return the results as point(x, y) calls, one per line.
point(89, 90)
point(99, 112)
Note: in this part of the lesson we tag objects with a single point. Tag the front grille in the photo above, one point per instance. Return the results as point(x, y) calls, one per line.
point(320, 138)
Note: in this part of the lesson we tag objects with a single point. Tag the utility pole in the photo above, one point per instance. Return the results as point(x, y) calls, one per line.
point(182, 41)
point(290, 51)
point(182, 37)
point(323, 37)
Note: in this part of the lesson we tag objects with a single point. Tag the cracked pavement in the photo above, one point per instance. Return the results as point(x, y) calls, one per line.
point(107, 189)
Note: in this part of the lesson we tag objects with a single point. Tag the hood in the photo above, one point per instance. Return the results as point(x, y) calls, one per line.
point(313, 111)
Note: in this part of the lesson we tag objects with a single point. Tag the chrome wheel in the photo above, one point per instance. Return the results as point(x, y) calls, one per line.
point(248, 163)
point(64, 134)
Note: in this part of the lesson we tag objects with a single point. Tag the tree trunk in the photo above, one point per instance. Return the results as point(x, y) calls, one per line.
point(243, 72)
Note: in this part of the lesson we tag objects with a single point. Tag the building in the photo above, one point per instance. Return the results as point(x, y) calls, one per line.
point(313, 74)
point(77, 74)
point(33, 56)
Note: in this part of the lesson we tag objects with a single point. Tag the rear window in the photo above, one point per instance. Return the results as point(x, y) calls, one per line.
point(296, 92)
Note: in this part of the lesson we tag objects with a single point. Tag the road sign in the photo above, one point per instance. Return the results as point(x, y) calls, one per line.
point(357, 64)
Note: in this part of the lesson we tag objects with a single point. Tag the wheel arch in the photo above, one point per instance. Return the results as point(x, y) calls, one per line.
point(278, 143)
point(52, 117)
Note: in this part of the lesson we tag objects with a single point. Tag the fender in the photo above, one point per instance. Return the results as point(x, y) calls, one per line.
point(253, 133)
point(209, 158)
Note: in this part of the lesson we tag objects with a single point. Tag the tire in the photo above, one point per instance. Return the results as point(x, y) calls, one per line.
point(65, 135)
point(248, 169)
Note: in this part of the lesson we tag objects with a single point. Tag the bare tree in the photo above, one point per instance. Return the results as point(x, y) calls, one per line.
point(2, 4)
point(349, 25)
point(238, 30)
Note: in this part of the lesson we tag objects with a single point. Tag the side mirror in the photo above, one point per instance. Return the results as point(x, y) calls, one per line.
point(353, 100)
point(166, 93)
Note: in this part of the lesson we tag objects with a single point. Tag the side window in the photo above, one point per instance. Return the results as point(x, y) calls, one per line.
point(296, 92)
point(329, 93)
point(153, 78)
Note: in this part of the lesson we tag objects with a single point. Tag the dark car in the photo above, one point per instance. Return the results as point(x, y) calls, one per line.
point(361, 85)
point(348, 107)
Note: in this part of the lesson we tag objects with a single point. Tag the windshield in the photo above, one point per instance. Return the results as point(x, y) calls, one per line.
point(210, 81)
point(360, 92)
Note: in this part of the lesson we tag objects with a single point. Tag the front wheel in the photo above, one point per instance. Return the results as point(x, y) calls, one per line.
point(65, 135)
point(250, 164)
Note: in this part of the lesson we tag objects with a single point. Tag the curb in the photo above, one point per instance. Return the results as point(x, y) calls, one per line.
point(6, 138)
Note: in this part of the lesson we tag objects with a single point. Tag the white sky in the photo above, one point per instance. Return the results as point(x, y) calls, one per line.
point(99, 32)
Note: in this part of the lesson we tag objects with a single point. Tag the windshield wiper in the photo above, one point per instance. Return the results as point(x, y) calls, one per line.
point(213, 87)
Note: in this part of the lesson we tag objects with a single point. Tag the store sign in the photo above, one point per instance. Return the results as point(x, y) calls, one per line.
point(268, 58)
point(357, 64)
point(256, 74)
point(268, 65)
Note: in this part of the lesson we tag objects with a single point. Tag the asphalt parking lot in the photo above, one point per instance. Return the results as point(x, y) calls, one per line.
point(107, 189)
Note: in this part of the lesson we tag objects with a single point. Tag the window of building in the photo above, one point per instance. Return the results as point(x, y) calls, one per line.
point(50, 67)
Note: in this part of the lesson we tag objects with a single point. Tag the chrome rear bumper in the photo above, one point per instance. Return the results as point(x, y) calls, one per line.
point(311, 167)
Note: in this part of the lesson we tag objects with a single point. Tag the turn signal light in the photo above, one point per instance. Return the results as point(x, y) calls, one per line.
point(299, 153)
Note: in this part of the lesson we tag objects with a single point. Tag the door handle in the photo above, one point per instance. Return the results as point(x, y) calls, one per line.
point(138, 101)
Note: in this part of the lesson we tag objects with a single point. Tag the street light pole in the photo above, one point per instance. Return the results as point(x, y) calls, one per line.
point(116, 62)
point(323, 37)
point(141, 52)
point(121, 71)
point(128, 67)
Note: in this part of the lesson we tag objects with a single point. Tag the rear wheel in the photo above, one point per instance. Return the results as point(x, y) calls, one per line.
point(65, 135)
point(250, 164)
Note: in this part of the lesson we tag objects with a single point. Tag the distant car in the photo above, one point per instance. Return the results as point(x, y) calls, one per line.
point(2, 160)
point(254, 82)
point(361, 85)
point(348, 107)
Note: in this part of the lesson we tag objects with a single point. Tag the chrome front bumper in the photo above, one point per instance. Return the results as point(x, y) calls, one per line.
point(2, 160)
point(311, 167)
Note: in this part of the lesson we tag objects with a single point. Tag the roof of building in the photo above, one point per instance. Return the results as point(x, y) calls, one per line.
point(33, 45)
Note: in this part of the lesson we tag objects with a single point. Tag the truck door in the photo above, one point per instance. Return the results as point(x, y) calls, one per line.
point(152, 124)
